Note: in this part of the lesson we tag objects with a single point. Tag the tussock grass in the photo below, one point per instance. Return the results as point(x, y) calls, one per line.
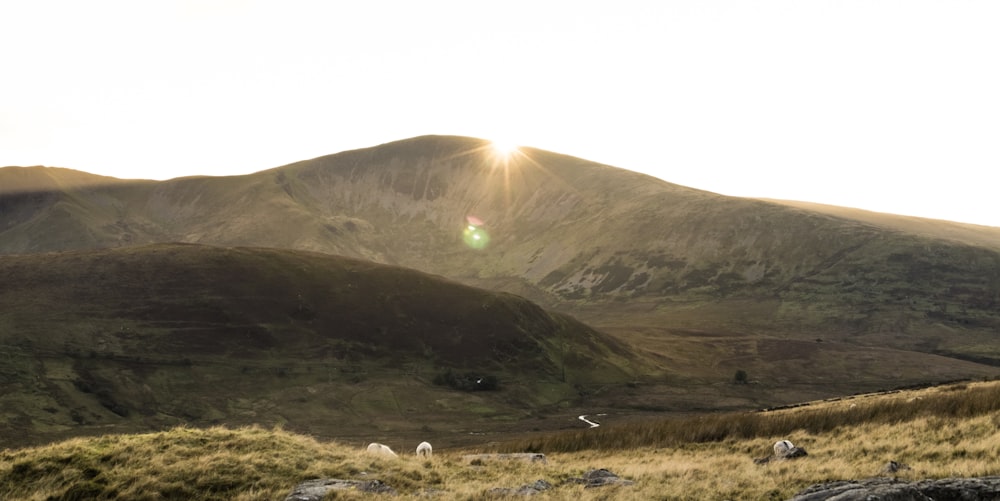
point(939, 432)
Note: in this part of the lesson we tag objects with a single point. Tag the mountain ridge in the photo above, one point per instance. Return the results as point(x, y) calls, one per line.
point(714, 283)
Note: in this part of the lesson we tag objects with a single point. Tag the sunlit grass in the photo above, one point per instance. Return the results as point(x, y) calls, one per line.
point(947, 402)
point(941, 432)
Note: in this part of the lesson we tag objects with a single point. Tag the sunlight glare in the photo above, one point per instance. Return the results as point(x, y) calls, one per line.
point(504, 148)
point(474, 235)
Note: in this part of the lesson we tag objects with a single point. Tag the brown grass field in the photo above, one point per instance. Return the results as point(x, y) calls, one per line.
point(946, 431)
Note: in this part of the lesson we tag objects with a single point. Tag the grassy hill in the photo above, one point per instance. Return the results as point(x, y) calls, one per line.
point(938, 432)
point(144, 337)
point(810, 301)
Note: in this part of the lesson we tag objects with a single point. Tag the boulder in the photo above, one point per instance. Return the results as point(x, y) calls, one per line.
point(538, 487)
point(599, 478)
point(316, 489)
point(886, 489)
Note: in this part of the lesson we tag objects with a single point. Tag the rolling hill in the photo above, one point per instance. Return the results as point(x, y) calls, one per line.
point(147, 336)
point(811, 301)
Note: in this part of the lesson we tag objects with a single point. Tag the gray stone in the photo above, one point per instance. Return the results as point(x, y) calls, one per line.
point(316, 489)
point(890, 489)
point(540, 485)
point(537, 487)
point(532, 457)
point(599, 478)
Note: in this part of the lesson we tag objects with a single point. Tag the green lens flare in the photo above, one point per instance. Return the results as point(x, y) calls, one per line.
point(475, 237)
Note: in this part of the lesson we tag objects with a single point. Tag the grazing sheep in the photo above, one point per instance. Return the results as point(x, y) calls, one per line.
point(782, 448)
point(424, 450)
point(381, 450)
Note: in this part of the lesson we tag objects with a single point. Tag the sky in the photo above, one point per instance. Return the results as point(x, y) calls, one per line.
point(891, 106)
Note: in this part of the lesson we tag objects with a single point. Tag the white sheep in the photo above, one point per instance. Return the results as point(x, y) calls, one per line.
point(381, 450)
point(782, 448)
point(424, 449)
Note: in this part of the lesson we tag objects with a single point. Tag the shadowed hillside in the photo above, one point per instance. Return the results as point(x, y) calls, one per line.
point(808, 300)
point(148, 336)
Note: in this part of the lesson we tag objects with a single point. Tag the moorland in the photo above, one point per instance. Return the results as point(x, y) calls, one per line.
point(941, 432)
point(433, 288)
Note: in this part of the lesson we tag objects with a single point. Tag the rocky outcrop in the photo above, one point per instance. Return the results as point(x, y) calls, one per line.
point(599, 478)
point(316, 489)
point(889, 489)
point(538, 487)
point(531, 457)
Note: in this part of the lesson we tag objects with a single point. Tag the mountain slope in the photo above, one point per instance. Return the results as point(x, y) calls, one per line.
point(675, 268)
point(165, 334)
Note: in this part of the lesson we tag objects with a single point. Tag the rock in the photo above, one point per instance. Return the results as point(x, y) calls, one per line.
point(893, 467)
point(540, 485)
point(525, 490)
point(598, 478)
point(532, 457)
point(889, 489)
point(316, 489)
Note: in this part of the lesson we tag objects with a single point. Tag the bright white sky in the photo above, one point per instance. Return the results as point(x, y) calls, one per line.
point(892, 106)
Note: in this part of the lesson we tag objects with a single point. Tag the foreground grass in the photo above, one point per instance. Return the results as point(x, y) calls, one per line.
point(932, 431)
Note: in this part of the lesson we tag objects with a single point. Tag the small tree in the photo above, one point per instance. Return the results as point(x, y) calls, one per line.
point(741, 377)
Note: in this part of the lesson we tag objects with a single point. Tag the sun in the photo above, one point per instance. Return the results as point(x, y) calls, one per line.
point(503, 148)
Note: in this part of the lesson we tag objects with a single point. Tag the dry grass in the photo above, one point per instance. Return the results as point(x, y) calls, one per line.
point(946, 402)
point(939, 432)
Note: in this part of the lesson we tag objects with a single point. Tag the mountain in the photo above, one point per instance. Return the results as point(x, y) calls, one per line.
point(166, 334)
point(809, 300)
